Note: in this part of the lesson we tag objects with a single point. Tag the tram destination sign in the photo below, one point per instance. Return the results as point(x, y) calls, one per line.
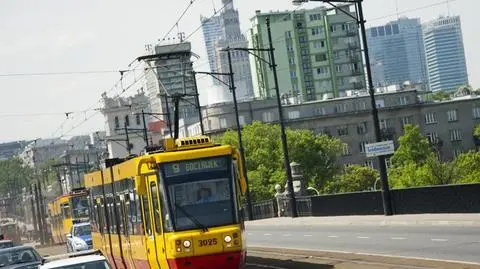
point(195, 166)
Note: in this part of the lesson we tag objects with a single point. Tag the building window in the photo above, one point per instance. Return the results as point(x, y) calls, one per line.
point(137, 119)
point(407, 120)
point(430, 118)
point(432, 137)
point(241, 119)
point(322, 71)
point(315, 17)
point(333, 28)
point(291, 61)
point(362, 128)
point(455, 135)
point(338, 68)
point(362, 146)
point(288, 34)
point(346, 150)
point(340, 108)
point(457, 152)
point(360, 106)
point(383, 124)
point(320, 111)
point(342, 130)
point(476, 112)
point(403, 100)
point(117, 122)
point(223, 123)
point(452, 115)
point(293, 74)
point(127, 120)
point(289, 47)
point(320, 57)
point(369, 163)
point(318, 44)
point(316, 31)
point(267, 117)
point(294, 114)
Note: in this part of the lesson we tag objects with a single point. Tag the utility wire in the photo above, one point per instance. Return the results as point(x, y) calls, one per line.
point(178, 20)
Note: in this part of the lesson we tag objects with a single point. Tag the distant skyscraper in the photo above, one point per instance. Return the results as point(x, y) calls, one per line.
point(445, 53)
point(223, 31)
point(397, 52)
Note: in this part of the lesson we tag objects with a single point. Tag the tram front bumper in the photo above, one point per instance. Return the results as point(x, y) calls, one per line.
point(228, 260)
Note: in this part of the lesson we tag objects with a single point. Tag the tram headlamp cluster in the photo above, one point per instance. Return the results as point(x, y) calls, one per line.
point(228, 239)
point(187, 243)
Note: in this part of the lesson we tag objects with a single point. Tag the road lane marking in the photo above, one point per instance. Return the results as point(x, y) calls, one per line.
point(398, 238)
point(333, 236)
point(267, 234)
point(287, 235)
point(307, 235)
point(439, 239)
point(363, 237)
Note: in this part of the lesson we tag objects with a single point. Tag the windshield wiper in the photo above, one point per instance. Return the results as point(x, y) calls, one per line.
point(192, 218)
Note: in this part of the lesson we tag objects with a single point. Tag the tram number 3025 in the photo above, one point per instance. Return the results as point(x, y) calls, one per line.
point(207, 242)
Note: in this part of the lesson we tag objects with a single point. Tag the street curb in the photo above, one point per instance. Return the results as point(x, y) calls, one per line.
point(353, 257)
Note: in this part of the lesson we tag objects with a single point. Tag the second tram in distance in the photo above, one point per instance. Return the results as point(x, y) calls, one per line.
point(179, 207)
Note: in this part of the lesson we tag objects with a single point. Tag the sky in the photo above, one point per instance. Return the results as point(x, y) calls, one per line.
point(58, 36)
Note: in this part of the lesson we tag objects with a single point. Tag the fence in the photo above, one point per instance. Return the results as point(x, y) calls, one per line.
point(463, 198)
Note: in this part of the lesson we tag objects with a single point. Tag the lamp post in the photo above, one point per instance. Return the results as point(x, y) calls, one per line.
point(387, 203)
point(313, 189)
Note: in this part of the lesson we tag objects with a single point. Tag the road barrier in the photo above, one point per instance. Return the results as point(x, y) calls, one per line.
point(461, 198)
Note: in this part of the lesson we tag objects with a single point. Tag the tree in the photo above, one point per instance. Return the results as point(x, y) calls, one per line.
point(355, 178)
point(414, 147)
point(476, 132)
point(440, 96)
point(14, 176)
point(316, 155)
point(467, 167)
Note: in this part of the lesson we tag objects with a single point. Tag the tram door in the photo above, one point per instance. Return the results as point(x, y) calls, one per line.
point(156, 250)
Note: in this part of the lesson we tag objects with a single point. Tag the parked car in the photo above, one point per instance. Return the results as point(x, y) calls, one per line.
point(21, 257)
point(6, 244)
point(80, 237)
point(81, 262)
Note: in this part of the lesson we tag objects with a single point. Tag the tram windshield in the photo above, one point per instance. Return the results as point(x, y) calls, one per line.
point(80, 207)
point(199, 193)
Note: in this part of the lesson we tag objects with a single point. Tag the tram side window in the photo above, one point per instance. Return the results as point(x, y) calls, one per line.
point(118, 209)
point(138, 219)
point(66, 211)
point(167, 222)
point(130, 210)
point(156, 209)
point(111, 216)
point(146, 216)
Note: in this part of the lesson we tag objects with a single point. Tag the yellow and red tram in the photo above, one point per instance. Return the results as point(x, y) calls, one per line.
point(176, 208)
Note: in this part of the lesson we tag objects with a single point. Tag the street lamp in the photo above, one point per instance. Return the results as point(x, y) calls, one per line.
point(313, 189)
point(387, 204)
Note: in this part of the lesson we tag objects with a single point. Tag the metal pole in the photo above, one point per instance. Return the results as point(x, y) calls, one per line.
point(39, 217)
point(239, 133)
point(293, 203)
point(145, 133)
point(34, 214)
point(387, 202)
point(197, 96)
point(42, 215)
point(127, 139)
point(176, 103)
point(169, 120)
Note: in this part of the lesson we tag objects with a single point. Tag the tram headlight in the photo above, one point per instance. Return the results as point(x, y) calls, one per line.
point(228, 239)
point(187, 243)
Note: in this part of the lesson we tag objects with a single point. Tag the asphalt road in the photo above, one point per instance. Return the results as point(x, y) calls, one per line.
point(446, 243)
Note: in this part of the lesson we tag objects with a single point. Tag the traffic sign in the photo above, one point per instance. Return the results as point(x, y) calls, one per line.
point(380, 148)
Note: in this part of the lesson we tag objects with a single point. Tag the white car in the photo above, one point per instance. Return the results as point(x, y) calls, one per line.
point(79, 238)
point(81, 262)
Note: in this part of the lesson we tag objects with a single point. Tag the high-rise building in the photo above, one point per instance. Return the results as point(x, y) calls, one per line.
point(397, 53)
point(445, 54)
point(169, 72)
point(317, 51)
point(223, 31)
